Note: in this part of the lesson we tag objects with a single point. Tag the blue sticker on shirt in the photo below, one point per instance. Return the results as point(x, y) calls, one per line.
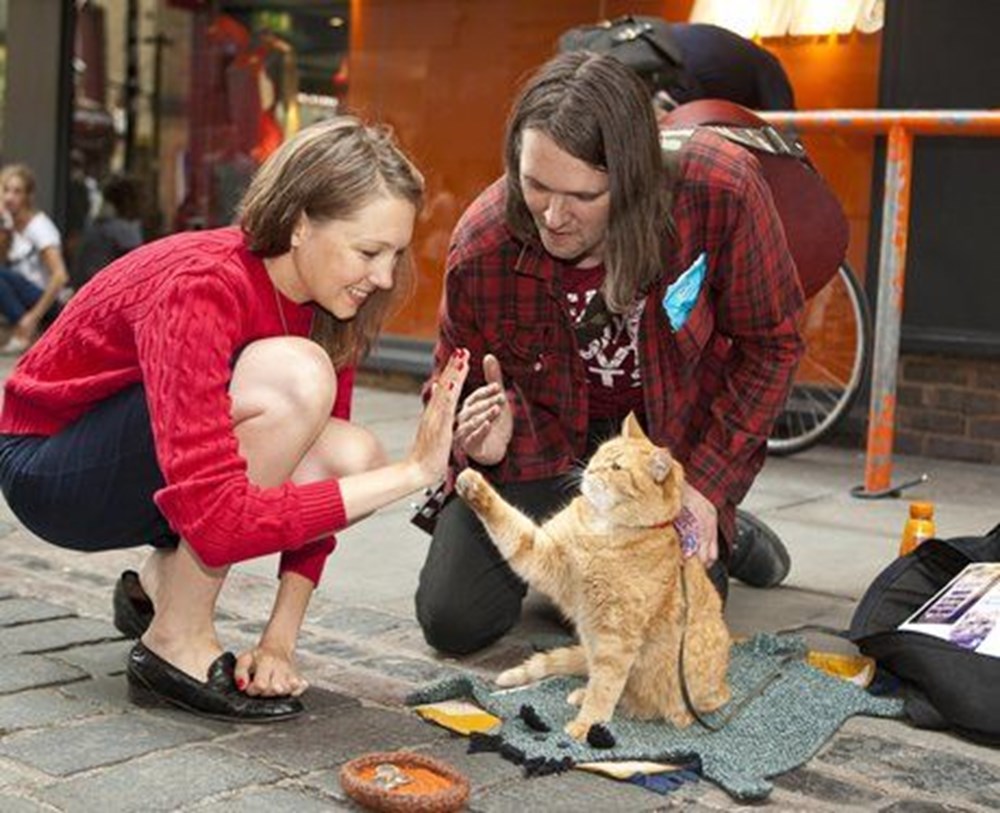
point(683, 292)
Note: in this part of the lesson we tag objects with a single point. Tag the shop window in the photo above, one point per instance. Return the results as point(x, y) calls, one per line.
point(190, 96)
point(260, 71)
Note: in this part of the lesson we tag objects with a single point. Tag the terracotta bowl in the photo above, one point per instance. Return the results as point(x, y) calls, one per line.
point(404, 782)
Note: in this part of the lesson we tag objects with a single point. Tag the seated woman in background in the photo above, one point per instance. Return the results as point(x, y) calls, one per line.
point(34, 280)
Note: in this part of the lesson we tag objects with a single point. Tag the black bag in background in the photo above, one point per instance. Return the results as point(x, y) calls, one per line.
point(642, 43)
point(944, 685)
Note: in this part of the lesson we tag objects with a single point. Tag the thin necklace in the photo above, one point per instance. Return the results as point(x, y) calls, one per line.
point(281, 311)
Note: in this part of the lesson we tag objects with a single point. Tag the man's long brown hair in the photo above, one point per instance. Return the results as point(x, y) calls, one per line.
point(328, 171)
point(598, 110)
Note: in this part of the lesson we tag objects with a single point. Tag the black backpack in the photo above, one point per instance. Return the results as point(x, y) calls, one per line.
point(642, 43)
point(943, 685)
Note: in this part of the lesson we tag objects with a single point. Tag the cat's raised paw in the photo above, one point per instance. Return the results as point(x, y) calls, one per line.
point(472, 487)
point(575, 697)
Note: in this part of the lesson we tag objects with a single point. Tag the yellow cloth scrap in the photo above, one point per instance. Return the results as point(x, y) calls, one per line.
point(858, 669)
point(459, 716)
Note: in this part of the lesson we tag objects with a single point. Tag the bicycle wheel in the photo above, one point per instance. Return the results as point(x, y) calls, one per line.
point(836, 326)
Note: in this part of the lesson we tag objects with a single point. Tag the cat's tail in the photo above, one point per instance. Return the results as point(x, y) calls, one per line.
point(567, 660)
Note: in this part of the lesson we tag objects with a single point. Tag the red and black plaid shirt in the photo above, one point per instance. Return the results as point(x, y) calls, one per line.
point(712, 389)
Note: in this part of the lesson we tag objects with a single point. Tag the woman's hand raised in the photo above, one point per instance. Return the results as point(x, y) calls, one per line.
point(432, 445)
point(427, 461)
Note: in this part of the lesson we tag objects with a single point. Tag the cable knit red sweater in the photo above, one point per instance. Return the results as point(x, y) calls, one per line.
point(172, 315)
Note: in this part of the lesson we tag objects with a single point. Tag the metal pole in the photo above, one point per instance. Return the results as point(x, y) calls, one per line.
point(902, 126)
point(917, 122)
point(889, 315)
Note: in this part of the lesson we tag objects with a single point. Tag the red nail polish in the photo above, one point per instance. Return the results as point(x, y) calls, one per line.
point(451, 385)
point(241, 684)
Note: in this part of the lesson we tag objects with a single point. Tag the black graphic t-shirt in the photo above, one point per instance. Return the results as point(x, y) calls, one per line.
point(607, 342)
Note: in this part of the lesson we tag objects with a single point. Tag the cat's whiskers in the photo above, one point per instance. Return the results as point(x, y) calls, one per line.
point(570, 481)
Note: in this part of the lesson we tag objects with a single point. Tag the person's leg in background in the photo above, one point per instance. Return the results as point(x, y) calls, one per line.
point(17, 294)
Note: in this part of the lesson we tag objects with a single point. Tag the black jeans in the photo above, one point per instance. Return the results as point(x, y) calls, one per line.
point(467, 595)
point(90, 486)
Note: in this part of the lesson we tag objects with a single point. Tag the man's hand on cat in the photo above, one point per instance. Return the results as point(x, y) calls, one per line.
point(702, 520)
point(485, 423)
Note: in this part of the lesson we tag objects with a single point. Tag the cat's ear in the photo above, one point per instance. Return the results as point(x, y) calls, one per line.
point(660, 464)
point(631, 428)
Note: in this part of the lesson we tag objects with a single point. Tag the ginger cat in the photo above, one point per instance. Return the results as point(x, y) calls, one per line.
point(612, 562)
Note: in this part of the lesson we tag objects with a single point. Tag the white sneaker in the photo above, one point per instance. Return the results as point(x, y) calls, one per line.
point(15, 346)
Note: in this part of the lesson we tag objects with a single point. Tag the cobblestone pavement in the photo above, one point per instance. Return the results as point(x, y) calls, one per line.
point(70, 740)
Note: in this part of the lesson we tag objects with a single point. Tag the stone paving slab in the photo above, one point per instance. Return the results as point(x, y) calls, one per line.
point(826, 789)
point(60, 633)
point(67, 749)
point(19, 672)
point(892, 762)
point(332, 739)
point(15, 804)
point(15, 611)
point(269, 800)
point(563, 793)
point(34, 709)
point(11, 774)
point(159, 782)
point(97, 659)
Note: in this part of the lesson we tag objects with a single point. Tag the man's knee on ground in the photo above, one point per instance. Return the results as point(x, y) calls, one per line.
point(454, 626)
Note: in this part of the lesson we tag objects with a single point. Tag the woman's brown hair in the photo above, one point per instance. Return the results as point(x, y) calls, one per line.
point(328, 171)
point(599, 111)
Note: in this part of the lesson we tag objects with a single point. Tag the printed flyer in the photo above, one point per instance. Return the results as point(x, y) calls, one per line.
point(966, 611)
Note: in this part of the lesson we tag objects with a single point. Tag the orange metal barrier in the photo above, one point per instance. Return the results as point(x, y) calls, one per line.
point(902, 126)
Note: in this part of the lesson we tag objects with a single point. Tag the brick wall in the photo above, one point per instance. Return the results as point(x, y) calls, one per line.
point(948, 407)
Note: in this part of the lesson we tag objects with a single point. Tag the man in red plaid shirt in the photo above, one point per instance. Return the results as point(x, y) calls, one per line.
point(593, 280)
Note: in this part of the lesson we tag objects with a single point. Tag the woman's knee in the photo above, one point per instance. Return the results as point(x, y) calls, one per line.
point(288, 377)
point(358, 450)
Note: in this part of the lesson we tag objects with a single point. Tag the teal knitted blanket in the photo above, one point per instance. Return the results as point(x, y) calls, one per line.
point(776, 730)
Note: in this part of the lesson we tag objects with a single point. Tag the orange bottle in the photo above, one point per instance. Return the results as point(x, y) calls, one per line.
point(919, 526)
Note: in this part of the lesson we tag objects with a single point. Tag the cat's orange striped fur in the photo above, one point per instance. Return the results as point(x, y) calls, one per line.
point(612, 562)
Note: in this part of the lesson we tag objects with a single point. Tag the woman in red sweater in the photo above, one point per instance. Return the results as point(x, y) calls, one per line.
point(195, 397)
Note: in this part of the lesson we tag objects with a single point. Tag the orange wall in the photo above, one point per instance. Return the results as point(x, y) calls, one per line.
point(830, 73)
point(443, 74)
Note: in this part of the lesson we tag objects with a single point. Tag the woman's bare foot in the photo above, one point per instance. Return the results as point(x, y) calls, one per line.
point(192, 656)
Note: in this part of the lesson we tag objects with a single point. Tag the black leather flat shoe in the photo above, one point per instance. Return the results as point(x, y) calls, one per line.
point(153, 681)
point(133, 611)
